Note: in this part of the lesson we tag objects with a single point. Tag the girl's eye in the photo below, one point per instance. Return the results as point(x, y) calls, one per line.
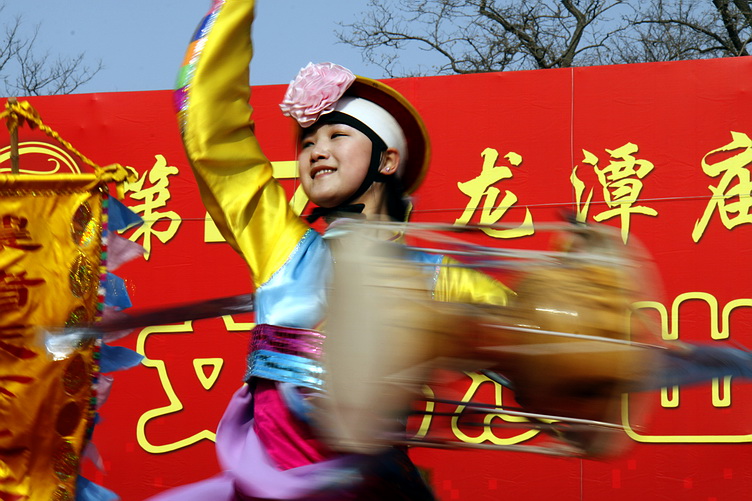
point(306, 144)
point(338, 134)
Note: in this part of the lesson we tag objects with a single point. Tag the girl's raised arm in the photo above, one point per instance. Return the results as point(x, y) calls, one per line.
point(234, 177)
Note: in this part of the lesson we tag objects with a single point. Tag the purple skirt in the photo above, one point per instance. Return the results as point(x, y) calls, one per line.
point(252, 468)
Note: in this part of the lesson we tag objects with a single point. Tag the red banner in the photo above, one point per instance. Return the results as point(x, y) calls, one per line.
point(662, 151)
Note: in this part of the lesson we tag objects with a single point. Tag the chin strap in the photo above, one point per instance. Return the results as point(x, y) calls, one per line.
point(378, 147)
point(351, 210)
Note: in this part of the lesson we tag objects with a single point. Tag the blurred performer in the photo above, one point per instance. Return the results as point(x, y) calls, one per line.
point(362, 148)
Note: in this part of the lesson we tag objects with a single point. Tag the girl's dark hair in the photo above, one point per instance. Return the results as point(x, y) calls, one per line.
point(396, 203)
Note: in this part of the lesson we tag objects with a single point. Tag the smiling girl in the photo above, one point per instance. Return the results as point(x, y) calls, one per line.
point(362, 148)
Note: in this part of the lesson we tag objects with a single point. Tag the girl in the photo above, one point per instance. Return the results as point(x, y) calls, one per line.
point(363, 147)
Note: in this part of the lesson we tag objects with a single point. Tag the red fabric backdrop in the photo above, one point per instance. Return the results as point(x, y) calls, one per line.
point(651, 142)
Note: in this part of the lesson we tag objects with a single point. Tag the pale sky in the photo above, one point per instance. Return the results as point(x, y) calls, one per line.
point(141, 42)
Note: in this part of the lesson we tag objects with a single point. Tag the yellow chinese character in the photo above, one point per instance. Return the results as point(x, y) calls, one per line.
point(482, 189)
point(154, 197)
point(487, 434)
point(733, 200)
point(621, 180)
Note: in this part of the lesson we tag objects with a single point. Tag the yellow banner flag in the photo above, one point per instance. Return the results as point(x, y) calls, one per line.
point(51, 250)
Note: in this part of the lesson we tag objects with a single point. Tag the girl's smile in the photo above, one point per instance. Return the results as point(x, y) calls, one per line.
point(321, 171)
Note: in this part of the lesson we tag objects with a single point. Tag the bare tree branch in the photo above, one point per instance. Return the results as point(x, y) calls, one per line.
point(745, 10)
point(497, 35)
point(25, 69)
point(686, 29)
point(730, 23)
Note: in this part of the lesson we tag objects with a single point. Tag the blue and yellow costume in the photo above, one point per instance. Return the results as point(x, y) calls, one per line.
point(265, 450)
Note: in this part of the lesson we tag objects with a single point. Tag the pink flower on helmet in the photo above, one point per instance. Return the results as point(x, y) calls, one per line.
point(315, 92)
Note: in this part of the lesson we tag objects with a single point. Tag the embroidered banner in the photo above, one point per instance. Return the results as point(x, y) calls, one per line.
point(50, 256)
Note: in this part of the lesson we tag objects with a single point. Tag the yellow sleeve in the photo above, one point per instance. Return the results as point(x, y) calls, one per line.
point(459, 284)
point(233, 175)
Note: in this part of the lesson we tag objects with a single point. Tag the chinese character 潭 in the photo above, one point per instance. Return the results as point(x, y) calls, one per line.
point(621, 182)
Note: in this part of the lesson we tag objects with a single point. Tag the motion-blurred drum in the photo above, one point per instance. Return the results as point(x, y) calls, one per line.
point(565, 343)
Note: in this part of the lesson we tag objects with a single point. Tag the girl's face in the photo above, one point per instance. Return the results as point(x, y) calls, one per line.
point(333, 162)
